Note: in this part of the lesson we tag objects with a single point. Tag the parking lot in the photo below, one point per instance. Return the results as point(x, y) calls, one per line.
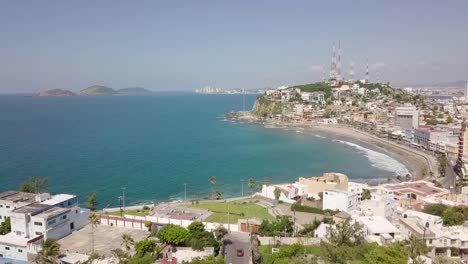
point(106, 239)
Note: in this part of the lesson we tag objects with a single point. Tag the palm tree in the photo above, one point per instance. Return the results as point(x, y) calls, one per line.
point(218, 195)
point(127, 241)
point(415, 248)
point(49, 252)
point(277, 193)
point(251, 184)
point(212, 181)
point(94, 221)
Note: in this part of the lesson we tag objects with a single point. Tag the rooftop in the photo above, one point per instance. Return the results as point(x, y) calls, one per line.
point(421, 188)
point(14, 196)
point(31, 208)
point(13, 240)
point(59, 198)
point(378, 225)
point(52, 212)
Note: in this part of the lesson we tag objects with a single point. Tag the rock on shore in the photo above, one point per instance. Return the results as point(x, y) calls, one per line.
point(56, 93)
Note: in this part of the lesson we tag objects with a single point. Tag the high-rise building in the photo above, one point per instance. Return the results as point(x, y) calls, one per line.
point(407, 117)
point(462, 161)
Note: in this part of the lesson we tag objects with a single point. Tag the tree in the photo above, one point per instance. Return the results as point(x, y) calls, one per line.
point(34, 185)
point(267, 182)
point(392, 254)
point(144, 247)
point(407, 177)
point(366, 194)
point(343, 242)
point(93, 221)
point(220, 232)
point(218, 195)
point(91, 201)
point(127, 241)
point(415, 247)
point(398, 177)
point(455, 216)
point(172, 234)
point(277, 193)
point(449, 119)
point(5, 227)
point(206, 260)
point(49, 252)
point(443, 163)
point(251, 184)
point(196, 227)
point(435, 209)
point(212, 181)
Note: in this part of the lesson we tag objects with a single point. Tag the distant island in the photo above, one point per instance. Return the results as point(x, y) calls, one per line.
point(56, 93)
point(96, 90)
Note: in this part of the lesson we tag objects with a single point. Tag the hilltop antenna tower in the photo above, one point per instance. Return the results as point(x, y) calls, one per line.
point(338, 66)
point(333, 63)
point(367, 71)
point(351, 72)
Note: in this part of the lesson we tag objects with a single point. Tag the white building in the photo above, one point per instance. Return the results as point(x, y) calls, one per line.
point(406, 117)
point(37, 219)
point(379, 230)
point(287, 194)
point(339, 200)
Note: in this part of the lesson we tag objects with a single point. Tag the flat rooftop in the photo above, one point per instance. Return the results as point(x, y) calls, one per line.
point(13, 240)
point(52, 212)
point(378, 225)
point(420, 188)
point(14, 196)
point(31, 208)
point(58, 198)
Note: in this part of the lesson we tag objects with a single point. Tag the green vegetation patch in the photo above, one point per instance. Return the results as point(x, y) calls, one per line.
point(237, 210)
point(309, 209)
point(138, 212)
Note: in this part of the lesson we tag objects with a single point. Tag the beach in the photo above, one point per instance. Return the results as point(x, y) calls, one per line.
point(418, 163)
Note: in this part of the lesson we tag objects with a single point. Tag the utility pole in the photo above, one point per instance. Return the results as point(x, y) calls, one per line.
point(185, 191)
point(123, 197)
point(229, 223)
point(242, 187)
point(120, 205)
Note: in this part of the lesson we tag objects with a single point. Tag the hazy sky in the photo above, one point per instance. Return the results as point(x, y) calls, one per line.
point(176, 45)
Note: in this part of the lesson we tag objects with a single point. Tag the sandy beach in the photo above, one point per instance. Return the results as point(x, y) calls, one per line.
point(415, 161)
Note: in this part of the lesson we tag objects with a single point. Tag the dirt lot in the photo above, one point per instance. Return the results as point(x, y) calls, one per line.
point(106, 238)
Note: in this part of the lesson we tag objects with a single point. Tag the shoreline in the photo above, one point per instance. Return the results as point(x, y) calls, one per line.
point(416, 162)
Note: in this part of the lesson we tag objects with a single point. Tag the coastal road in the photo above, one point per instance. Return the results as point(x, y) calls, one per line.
point(233, 242)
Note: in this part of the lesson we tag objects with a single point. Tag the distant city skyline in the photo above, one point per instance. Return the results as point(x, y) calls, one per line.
point(185, 45)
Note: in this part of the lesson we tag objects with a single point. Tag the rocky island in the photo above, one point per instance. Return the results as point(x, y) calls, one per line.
point(56, 93)
point(98, 90)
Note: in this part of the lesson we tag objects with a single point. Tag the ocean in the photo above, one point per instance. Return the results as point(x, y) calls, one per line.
point(153, 145)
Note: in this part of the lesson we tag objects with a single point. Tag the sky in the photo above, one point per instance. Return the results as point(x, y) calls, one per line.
point(184, 45)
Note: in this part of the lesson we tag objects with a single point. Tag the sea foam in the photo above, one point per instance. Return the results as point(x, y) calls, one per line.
point(380, 160)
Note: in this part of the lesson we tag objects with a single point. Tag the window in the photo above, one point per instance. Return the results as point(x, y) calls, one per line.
point(38, 233)
point(64, 217)
point(7, 248)
point(453, 241)
point(38, 223)
point(20, 250)
point(51, 222)
point(76, 211)
point(430, 241)
point(1, 205)
point(7, 206)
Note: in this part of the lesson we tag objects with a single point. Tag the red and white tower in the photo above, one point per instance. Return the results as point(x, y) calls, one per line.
point(338, 66)
point(333, 64)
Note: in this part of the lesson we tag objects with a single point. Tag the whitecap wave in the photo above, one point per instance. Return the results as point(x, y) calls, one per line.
point(319, 136)
point(380, 160)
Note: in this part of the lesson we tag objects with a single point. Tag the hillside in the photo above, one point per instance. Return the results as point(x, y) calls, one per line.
point(97, 90)
point(56, 93)
point(134, 91)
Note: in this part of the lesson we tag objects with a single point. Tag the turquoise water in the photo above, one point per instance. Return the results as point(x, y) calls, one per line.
point(153, 145)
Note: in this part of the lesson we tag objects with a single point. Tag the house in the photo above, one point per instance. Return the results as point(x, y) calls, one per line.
point(328, 181)
point(288, 192)
point(409, 194)
point(338, 200)
point(378, 229)
point(36, 219)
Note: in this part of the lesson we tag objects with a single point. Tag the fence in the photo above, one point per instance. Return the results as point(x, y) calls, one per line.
point(289, 240)
point(138, 222)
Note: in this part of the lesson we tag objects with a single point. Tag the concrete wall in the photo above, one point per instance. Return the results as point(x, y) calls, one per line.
point(138, 222)
point(289, 240)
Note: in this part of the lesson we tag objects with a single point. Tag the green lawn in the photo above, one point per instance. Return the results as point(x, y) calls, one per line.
point(130, 212)
point(238, 210)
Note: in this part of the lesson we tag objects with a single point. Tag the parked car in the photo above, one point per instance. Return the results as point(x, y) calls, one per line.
point(240, 253)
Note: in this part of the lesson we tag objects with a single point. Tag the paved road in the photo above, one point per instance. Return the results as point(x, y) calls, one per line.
point(234, 241)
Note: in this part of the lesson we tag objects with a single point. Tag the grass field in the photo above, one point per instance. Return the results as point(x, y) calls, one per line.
point(237, 210)
point(130, 212)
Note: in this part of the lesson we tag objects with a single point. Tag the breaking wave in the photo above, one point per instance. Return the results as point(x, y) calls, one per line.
point(380, 160)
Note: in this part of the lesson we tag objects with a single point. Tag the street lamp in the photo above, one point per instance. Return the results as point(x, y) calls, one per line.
point(185, 192)
point(424, 234)
point(242, 187)
point(123, 197)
